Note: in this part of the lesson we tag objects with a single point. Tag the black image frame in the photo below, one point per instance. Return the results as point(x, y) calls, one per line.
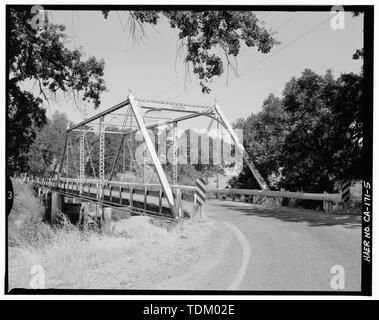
point(368, 63)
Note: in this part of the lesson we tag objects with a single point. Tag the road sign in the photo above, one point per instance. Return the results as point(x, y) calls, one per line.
point(346, 190)
point(200, 191)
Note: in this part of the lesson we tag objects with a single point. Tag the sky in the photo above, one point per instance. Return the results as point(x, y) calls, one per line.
point(151, 69)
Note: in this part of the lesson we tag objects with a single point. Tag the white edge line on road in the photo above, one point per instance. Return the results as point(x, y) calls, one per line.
point(246, 252)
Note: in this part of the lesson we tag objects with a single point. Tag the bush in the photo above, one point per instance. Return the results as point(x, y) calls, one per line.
point(25, 218)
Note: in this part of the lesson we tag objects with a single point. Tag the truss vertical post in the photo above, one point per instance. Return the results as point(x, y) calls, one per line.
point(121, 145)
point(150, 147)
point(123, 158)
point(218, 151)
point(61, 164)
point(262, 183)
point(101, 157)
point(90, 158)
point(117, 156)
point(81, 161)
point(67, 155)
point(144, 171)
point(175, 153)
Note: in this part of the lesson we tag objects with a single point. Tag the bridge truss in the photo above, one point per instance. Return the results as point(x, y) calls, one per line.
point(120, 124)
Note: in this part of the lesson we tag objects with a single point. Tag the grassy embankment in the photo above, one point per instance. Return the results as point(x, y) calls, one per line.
point(135, 254)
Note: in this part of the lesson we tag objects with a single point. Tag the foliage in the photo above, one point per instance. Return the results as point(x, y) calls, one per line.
point(130, 166)
point(45, 152)
point(112, 143)
point(264, 135)
point(326, 131)
point(41, 57)
point(358, 54)
point(27, 212)
point(44, 58)
point(311, 138)
point(207, 36)
point(24, 115)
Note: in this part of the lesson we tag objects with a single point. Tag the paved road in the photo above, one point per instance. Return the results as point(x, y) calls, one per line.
point(284, 248)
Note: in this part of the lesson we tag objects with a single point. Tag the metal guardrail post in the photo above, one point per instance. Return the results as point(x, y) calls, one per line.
point(131, 191)
point(179, 203)
point(145, 193)
point(110, 193)
point(120, 194)
point(160, 200)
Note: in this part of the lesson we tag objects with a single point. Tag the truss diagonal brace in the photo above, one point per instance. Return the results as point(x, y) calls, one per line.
point(62, 158)
point(150, 147)
point(262, 183)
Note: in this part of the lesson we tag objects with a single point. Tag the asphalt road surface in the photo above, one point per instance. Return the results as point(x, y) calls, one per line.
point(280, 248)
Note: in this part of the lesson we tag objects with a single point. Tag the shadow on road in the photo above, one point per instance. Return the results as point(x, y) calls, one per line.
point(312, 217)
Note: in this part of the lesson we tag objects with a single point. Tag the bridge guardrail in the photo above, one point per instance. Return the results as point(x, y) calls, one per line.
point(138, 196)
point(334, 197)
point(143, 193)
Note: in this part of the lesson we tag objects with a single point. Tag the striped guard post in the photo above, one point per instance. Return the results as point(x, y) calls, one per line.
point(200, 191)
point(346, 190)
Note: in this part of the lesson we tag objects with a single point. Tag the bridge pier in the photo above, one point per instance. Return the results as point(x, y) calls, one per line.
point(107, 218)
point(56, 206)
point(72, 210)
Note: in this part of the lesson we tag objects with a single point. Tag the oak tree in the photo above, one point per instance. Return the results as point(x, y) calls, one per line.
point(210, 39)
point(41, 57)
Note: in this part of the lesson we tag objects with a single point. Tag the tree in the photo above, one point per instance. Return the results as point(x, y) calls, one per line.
point(42, 58)
point(207, 36)
point(46, 151)
point(24, 116)
point(311, 138)
point(359, 53)
point(325, 138)
point(264, 135)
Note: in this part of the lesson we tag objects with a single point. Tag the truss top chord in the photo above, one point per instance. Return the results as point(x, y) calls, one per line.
point(177, 106)
point(152, 105)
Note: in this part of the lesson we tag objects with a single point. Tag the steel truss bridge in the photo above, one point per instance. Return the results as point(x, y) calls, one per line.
point(121, 123)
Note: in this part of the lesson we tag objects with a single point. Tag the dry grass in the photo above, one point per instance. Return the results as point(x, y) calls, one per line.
point(137, 254)
point(24, 221)
point(134, 254)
